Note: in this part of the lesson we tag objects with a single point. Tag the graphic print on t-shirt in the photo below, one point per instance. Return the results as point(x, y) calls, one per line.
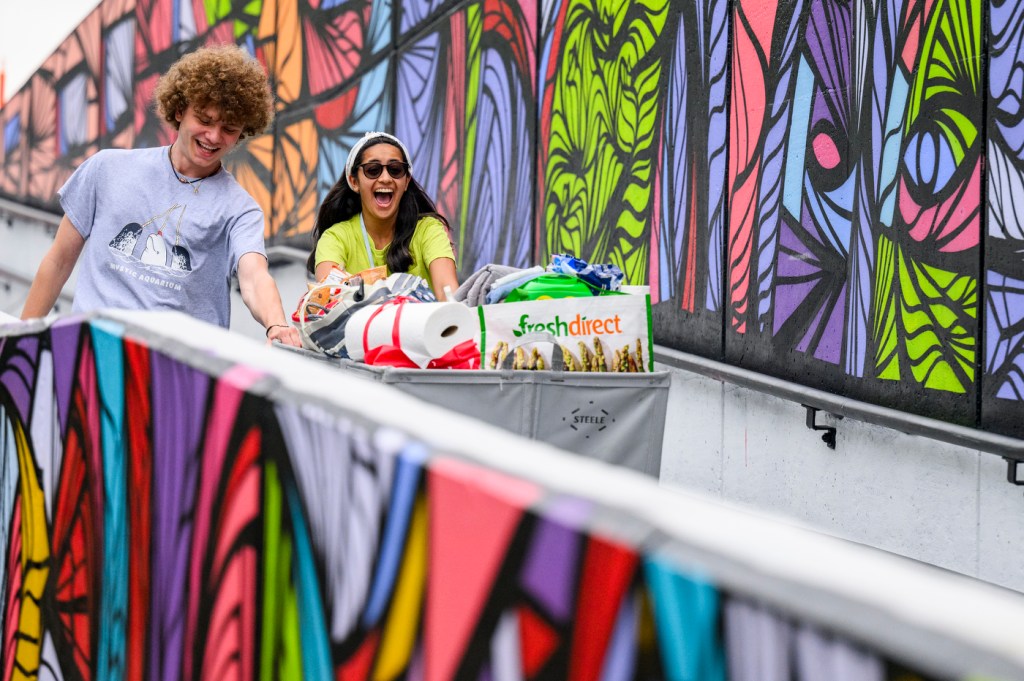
point(153, 253)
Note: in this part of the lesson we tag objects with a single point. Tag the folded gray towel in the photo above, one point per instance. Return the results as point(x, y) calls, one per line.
point(474, 290)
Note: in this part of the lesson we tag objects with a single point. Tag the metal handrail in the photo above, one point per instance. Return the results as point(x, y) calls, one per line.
point(1009, 448)
point(8, 207)
point(19, 278)
point(286, 254)
point(12, 208)
point(16, 276)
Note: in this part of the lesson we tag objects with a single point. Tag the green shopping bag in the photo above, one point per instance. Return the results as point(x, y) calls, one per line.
point(611, 333)
point(551, 285)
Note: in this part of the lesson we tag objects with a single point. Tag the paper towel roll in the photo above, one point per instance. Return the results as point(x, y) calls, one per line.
point(426, 331)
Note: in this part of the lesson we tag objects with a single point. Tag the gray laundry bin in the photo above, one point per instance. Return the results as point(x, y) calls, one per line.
point(612, 417)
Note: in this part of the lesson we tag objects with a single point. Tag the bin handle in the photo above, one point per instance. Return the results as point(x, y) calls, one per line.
point(557, 362)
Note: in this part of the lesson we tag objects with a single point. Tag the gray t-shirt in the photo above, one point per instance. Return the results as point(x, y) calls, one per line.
point(154, 243)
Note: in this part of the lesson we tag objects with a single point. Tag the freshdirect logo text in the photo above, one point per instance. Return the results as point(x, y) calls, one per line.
point(580, 326)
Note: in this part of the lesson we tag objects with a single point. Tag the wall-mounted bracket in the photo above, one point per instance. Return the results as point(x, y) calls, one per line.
point(829, 436)
point(1013, 476)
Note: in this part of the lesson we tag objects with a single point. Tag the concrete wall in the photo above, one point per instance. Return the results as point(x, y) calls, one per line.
point(939, 503)
point(23, 241)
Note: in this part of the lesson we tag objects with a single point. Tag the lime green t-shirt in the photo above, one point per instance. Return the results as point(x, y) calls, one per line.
point(343, 243)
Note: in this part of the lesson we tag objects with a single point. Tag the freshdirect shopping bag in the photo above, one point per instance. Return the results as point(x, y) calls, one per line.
point(598, 333)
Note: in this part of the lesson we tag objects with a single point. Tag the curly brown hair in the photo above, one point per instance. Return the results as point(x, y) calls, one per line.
point(222, 76)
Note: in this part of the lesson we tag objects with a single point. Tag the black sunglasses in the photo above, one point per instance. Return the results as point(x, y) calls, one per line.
point(373, 169)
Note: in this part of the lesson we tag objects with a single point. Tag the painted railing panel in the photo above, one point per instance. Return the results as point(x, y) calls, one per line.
point(183, 504)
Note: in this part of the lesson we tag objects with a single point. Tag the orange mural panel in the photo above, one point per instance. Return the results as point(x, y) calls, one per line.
point(41, 127)
point(284, 56)
point(84, 45)
point(12, 160)
point(112, 11)
point(123, 140)
point(295, 197)
point(251, 166)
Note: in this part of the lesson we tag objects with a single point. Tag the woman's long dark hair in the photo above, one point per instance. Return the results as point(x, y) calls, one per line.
point(342, 203)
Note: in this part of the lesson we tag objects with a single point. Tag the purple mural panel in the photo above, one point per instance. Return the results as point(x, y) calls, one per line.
point(180, 404)
point(1003, 378)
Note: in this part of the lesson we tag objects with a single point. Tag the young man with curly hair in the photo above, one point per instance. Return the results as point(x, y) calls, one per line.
point(166, 227)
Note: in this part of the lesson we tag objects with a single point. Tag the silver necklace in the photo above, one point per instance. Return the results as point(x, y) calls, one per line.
point(184, 180)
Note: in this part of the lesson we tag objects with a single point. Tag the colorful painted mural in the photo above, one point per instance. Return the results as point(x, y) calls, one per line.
point(173, 518)
point(822, 190)
point(1002, 280)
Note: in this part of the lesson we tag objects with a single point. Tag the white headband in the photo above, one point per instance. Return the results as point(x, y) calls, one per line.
point(357, 148)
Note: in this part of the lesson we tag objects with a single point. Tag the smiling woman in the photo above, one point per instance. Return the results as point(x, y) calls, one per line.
point(377, 215)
